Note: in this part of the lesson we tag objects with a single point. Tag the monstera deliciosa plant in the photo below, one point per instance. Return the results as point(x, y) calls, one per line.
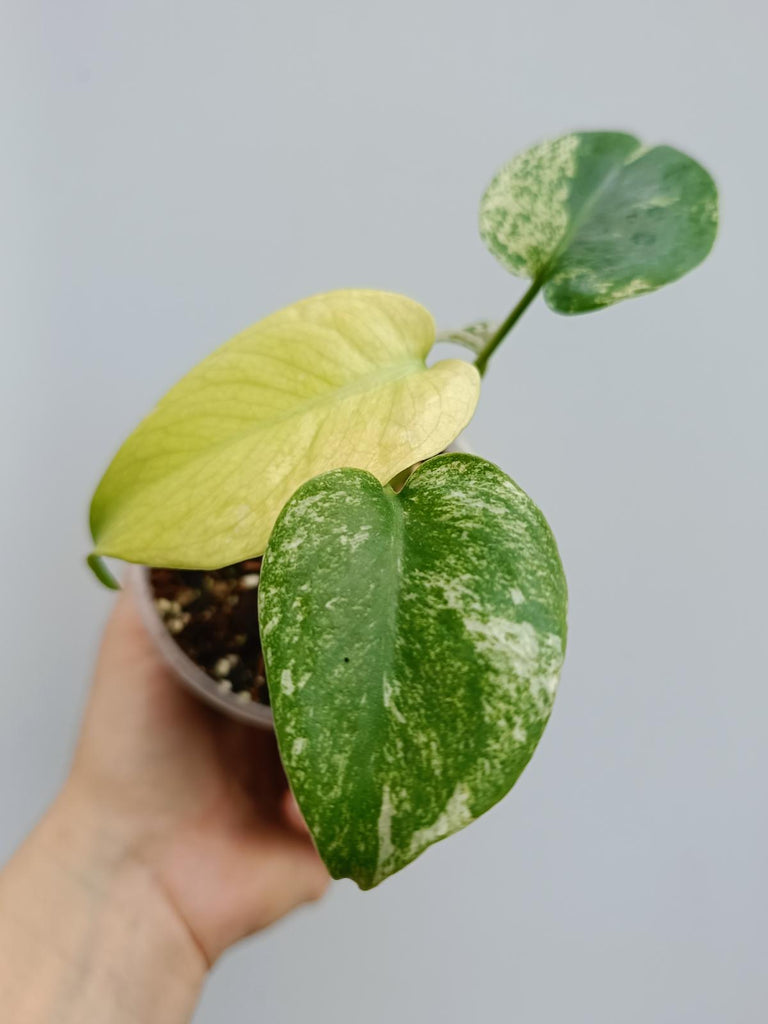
point(412, 604)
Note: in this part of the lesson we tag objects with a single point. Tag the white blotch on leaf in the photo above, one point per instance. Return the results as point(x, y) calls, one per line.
point(519, 734)
point(455, 815)
point(386, 849)
point(389, 702)
point(513, 644)
point(353, 542)
point(610, 292)
point(270, 624)
point(286, 682)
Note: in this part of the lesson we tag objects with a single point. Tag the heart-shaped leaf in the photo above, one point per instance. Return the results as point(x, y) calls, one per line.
point(413, 643)
point(335, 380)
point(596, 217)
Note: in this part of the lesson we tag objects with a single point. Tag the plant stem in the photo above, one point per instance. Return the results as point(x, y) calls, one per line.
point(500, 334)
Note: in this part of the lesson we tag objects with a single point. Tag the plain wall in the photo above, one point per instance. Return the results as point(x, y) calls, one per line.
point(173, 172)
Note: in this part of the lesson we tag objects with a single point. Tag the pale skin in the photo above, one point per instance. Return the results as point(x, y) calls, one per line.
point(173, 837)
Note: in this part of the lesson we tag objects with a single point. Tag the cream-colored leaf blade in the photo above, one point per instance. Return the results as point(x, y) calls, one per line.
point(335, 380)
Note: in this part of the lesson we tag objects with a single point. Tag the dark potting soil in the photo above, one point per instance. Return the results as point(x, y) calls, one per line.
point(213, 616)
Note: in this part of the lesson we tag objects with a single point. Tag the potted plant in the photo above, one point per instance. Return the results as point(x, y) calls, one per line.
point(408, 621)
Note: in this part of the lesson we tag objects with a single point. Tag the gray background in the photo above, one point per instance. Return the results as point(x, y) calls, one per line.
point(173, 172)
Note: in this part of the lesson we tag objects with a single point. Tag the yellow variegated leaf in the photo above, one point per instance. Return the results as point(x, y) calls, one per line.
point(335, 380)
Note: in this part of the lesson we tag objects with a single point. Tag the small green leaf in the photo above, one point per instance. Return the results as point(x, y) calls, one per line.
point(473, 337)
point(101, 571)
point(596, 217)
point(413, 644)
point(335, 380)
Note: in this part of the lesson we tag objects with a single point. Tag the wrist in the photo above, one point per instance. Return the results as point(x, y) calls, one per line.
point(84, 925)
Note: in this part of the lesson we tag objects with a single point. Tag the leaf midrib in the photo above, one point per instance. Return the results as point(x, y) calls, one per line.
point(389, 661)
point(367, 382)
point(209, 451)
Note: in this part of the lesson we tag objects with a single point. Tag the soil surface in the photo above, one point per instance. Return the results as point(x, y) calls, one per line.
point(213, 616)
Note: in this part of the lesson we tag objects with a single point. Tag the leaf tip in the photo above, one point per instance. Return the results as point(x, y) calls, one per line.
point(99, 568)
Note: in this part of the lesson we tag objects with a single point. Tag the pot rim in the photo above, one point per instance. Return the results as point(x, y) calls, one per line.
point(193, 677)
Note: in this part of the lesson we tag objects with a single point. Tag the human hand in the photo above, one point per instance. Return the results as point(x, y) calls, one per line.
point(174, 836)
point(201, 800)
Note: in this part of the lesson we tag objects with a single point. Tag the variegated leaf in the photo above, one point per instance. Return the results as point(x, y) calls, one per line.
point(413, 644)
point(335, 380)
point(597, 217)
point(473, 337)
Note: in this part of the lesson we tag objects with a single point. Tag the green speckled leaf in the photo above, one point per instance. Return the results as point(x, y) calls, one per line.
point(413, 644)
point(597, 217)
